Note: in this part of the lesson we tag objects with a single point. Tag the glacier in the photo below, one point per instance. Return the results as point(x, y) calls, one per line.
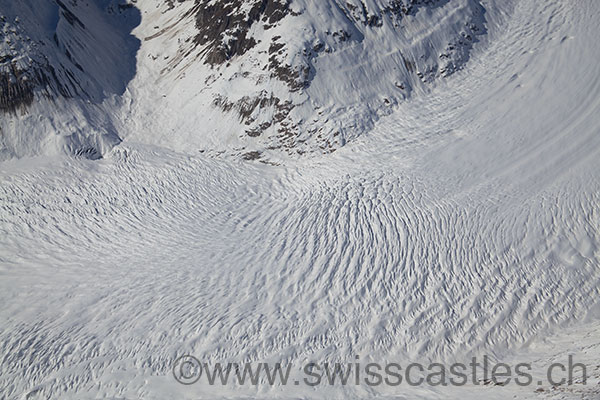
point(465, 221)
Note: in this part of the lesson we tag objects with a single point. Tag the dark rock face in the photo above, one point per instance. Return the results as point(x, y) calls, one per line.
point(401, 8)
point(223, 33)
point(16, 90)
point(223, 26)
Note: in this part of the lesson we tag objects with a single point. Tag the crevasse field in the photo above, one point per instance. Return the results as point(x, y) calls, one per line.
point(466, 223)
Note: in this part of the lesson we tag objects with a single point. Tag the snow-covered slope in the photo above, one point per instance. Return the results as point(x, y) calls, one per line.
point(63, 66)
point(467, 222)
point(260, 79)
point(269, 77)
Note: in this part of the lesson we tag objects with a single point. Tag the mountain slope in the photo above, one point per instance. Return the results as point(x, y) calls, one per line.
point(279, 77)
point(261, 79)
point(62, 64)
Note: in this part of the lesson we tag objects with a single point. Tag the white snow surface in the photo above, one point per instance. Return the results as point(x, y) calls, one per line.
point(467, 222)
